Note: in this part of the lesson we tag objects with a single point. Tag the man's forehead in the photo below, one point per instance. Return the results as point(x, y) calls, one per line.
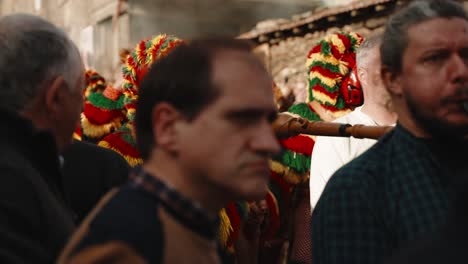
point(439, 32)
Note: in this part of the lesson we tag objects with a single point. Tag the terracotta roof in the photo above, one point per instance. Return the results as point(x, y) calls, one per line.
point(322, 19)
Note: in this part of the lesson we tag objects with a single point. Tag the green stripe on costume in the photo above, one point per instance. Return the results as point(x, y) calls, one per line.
point(100, 101)
point(326, 65)
point(332, 90)
point(303, 110)
point(326, 48)
point(296, 161)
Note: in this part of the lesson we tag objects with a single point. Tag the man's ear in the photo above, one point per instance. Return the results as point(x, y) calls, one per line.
point(392, 81)
point(164, 120)
point(361, 75)
point(54, 95)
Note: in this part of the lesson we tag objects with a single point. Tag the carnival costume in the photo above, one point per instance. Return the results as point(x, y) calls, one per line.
point(333, 90)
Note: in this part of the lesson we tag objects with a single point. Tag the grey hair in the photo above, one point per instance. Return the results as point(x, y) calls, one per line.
point(33, 51)
point(369, 43)
point(395, 37)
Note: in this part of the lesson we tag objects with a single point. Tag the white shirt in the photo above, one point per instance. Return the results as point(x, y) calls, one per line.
point(331, 153)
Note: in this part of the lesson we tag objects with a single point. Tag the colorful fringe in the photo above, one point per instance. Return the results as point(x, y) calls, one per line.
point(123, 101)
point(327, 63)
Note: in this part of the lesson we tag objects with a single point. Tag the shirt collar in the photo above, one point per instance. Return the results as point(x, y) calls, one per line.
point(188, 212)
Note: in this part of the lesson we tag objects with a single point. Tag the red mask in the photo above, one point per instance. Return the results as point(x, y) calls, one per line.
point(351, 89)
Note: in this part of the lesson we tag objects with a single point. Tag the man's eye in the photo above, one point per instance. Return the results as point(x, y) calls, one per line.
point(433, 58)
point(243, 120)
point(464, 54)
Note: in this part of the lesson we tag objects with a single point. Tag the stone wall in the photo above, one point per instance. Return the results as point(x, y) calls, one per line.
point(286, 59)
point(91, 24)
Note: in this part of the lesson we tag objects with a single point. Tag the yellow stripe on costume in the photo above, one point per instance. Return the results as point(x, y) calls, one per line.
point(96, 131)
point(225, 227)
point(289, 175)
point(138, 56)
point(344, 68)
point(322, 58)
point(355, 36)
point(339, 113)
point(325, 80)
point(132, 73)
point(76, 136)
point(154, 42)
point(321, 97)
point(337, 42)
point(131, 160)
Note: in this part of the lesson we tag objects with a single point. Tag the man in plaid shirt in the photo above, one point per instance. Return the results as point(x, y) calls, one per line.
point(400, 189)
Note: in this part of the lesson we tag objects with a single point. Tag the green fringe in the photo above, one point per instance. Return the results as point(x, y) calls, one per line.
point(126, 72)
point(340, 103)
point(296, 161)
point(129, 139)
point(316, 81)
point(135, 57)
point(127, 85)
point(328, 66)
point(99, 100)
point(326, 48)
point(128, 100)
point(165, 44)
point(303, 110)
point(353, 47)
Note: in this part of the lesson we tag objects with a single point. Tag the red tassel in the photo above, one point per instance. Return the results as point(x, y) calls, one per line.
point(346, 41)
point(235, 220)
point(99, 116)
point(300, 144)
point(116, 142)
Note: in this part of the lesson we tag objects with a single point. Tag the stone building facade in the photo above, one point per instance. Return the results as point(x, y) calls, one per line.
point(102, 27)
point(284, 44)
point(284, 30)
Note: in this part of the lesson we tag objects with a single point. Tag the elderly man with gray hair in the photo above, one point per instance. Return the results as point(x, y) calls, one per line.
point(331, 153)
point(41, 80)
point(401, 188)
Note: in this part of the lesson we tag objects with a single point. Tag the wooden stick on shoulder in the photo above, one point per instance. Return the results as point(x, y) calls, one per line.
point(287, 125)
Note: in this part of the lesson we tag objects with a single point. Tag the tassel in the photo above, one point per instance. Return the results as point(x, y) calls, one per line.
point(301, 144)
point(225, 227)
point(304, 110)
point(296, 161)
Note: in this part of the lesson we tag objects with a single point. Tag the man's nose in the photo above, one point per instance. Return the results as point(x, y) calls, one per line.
point(265, 140)
point(458, 70)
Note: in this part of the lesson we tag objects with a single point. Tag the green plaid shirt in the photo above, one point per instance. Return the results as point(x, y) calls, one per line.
point(393, 193)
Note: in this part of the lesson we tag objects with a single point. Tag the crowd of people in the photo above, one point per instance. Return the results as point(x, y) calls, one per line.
point(179, 162)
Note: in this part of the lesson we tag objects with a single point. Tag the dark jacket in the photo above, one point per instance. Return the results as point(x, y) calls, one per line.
point(149, 222)
point(89, 172)
point(34, 219)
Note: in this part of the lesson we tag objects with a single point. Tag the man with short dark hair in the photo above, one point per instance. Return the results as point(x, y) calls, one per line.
point(41, 80)
point(203, 128)
point(400, 188)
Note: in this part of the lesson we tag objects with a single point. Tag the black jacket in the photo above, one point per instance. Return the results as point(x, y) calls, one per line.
point(34, 219)
point(89, 172)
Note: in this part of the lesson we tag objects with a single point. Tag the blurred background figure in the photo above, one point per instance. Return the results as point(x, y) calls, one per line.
point(40, 99)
